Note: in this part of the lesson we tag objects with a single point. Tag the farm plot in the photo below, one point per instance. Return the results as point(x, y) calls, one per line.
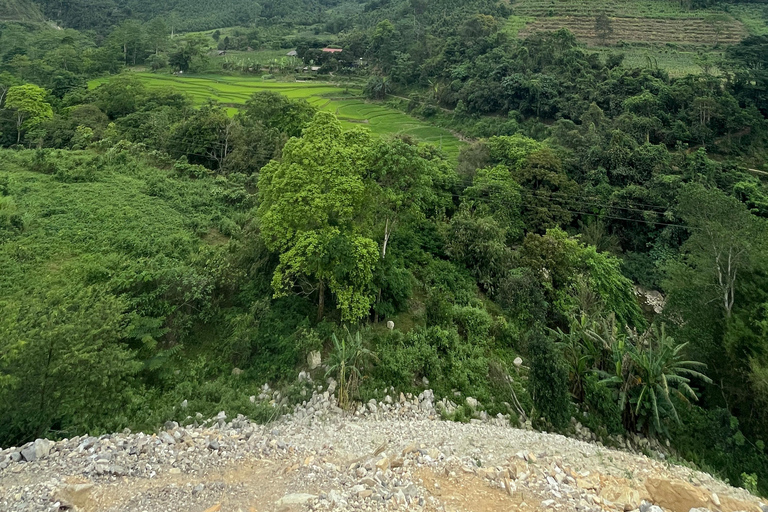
point(691, 31)
point(346, 103)
point(613, 8)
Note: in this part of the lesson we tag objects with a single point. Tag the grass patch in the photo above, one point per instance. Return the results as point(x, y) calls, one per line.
point(753, 16)
point(678, 62)
point(517, 23)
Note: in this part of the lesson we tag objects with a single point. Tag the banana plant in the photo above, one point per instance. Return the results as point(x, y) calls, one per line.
point(650, 374)
point(347, 360)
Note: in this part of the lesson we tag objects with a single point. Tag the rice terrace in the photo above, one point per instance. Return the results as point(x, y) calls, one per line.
point(346, 103)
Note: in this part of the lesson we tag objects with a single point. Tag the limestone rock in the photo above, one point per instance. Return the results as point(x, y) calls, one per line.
point(74, 495)
point(383, 463)
point(621, 495)
point(37, 450)
point(314, 359)
point(390, 325)
point(676, 495)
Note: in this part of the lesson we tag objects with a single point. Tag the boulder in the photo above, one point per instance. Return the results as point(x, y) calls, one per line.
point(621, 494)
point(676, 495)
point(680, 496)
point(75, 496)
point(37, 450)
point(728, 504)
point(314, 359)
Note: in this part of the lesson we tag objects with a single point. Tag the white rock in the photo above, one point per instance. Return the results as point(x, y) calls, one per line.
point(295, 499)
point(314, 359)
point(390, 325)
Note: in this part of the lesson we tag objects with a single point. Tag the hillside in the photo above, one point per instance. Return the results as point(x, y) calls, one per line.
point(390, 455)
point(560, 230)
point(20, 11)
point(183, 15)
point(658, 33)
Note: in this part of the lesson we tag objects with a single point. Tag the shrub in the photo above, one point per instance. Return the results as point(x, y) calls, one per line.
point(549, 381)
point(601, 407)
point(439, 354)
point(473, 323)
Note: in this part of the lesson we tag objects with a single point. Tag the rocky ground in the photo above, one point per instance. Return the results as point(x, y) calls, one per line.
point(390, 455)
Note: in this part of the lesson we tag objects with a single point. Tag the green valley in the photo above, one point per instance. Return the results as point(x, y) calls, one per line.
point(540, 214)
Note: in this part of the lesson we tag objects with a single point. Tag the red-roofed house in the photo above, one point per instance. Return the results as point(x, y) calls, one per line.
point(332, 50)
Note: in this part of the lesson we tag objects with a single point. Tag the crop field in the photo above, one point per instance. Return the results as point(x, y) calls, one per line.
point(693, 31)
point(615, 8)
point(346, 103)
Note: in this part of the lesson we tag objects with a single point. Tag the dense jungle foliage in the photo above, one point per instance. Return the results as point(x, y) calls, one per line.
point(155, 251)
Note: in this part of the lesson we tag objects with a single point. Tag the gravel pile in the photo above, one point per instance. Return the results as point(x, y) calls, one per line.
point(393, 454)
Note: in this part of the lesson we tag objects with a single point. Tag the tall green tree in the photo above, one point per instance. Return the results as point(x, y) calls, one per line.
point(603, 27)
point(156, 35)
point(30, 107)
point(310, 205)
point(726, 241)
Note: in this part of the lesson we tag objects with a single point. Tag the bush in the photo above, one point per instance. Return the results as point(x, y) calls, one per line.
point(602, 410)
point(473, 323)
point(439, 354)
point(549, 381)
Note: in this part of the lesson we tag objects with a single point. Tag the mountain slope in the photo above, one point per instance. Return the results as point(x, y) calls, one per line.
point(183, 15)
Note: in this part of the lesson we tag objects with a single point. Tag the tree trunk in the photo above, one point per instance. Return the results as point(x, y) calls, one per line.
point(321, 300)
point(19, 122)
point(376, 313)
point(387, 233)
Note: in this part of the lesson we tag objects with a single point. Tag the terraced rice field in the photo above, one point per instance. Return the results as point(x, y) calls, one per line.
point(347, 104)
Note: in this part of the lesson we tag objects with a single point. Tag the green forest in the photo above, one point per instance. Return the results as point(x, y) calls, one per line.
point(571, 192)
